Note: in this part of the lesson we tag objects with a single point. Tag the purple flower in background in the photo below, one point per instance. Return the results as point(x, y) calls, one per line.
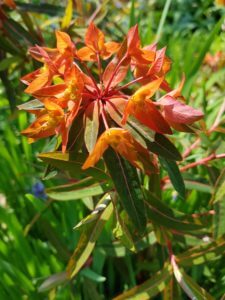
point(38, 190)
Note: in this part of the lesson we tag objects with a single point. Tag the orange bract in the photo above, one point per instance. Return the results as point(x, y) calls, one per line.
point(124, 144)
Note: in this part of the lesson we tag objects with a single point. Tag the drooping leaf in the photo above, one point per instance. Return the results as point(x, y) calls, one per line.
point(52, 281)
point(189, 286)
point(101, 205)
point(78, 190)
point(31, 105)
point(149, 288)
point(125, 179)
point(162, 215)
point(201, 254)
point(122, 233)
point(87, 242)
point(66, 161)
point(175, 176)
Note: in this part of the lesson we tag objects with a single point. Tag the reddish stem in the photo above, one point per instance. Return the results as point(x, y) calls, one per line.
point(131, 82)
point(114, 73)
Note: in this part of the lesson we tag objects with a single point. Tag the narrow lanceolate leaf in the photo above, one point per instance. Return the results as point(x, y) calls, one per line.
point(193, 185)
point(219, 206)
point(101, 205)
point(79, 190)
point(52, 281)
point(73, 163)
point(87, 242)
point(31, 105)
point(175, 175)
point(149, 288)
point(163, 147)
point(162, 215)
point(219, 192)
point(91, 125)
point(125, 179)
point(202, 254)
point(68, 14)
point(122, 233)
point(189, 286)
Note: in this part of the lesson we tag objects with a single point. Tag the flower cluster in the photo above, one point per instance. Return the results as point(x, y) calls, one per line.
point(73, 82)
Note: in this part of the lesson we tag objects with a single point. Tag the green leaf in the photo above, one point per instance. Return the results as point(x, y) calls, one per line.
point(122, 233)
point(7, 62)
point(219, 206)
point(132, 14)
point(163, 147)
point(87, 272)
point(205, 47)
point(174, 174)
point(91, 125)
point(87, 242)
point(8, 46)
point(194, 185)
point(160, 214)
point(125, 179)
point(189, 286)
point(219, 190)
point(73, 162)
point(202, 254)
point(78, 190)
point(101, 205)
point(149, 288)
point(18, 33)
point(44, 8)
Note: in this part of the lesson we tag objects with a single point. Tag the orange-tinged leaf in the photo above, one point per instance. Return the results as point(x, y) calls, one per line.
point(179, 112)
point(87, 54)
point(50, 90)
point(146, 91)
point(94, 38)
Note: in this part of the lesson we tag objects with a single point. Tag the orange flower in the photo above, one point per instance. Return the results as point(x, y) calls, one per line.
point(65, 85)
point(49, 121)
point(95, 45)
point(123, 143)
point(143, 109)
point(55, 61)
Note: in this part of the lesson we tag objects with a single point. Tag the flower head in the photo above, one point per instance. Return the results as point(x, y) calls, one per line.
point(67, 88)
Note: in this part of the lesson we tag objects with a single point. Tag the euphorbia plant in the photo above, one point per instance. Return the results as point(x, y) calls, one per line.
point(110, 104)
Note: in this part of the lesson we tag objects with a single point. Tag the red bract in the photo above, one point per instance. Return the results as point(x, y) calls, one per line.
point(68, 88)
